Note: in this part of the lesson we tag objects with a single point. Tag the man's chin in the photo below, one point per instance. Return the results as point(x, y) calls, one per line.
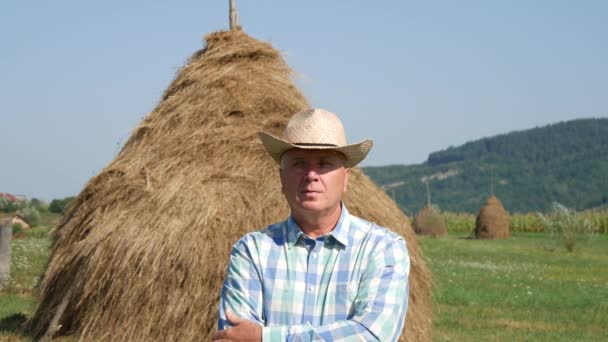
point(311, 205)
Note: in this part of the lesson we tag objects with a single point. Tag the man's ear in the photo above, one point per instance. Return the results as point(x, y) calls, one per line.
point(346, 175)
point(282, 183)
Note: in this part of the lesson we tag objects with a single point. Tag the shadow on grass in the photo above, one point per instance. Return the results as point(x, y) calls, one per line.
point(13, 324)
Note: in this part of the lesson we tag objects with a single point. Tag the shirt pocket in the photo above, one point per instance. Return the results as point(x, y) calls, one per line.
point(342, 296)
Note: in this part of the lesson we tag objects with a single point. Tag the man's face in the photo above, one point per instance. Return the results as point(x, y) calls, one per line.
point(313, 180)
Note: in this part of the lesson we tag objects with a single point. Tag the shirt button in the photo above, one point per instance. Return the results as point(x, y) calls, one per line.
point(311, 288)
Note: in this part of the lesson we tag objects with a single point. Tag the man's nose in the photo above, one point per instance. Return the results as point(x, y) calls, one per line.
point(312, 173)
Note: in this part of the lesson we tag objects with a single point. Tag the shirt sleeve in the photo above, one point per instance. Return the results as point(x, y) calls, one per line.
point(242, 289)
point(380, 305)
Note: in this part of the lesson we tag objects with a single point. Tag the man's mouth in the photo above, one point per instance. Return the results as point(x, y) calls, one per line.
point(308, 191)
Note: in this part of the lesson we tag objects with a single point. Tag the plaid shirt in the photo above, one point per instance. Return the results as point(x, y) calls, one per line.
point(351, 284)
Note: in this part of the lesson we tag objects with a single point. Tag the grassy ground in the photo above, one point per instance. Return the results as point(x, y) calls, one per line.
point(30, 251)
point(522, 289)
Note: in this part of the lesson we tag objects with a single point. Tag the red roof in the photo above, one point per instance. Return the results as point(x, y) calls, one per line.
point(9, 196)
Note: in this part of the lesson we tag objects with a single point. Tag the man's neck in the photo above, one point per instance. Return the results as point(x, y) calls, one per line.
point(317, 224)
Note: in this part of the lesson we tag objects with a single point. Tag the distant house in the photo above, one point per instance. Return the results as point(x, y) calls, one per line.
point(13, 198)
point(20, 198)
point(20, 219)
point(8, 196)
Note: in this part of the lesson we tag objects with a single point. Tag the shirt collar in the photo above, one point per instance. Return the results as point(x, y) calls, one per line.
point(340, 232)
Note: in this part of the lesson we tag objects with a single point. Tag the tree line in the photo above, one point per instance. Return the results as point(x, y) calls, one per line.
point(32, 209)
point(528, 170)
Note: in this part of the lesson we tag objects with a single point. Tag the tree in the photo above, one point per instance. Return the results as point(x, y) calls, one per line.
point(60, 206)
point(7, 206)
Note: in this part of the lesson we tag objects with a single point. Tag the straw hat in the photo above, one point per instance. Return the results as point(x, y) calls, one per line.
point(315, 129)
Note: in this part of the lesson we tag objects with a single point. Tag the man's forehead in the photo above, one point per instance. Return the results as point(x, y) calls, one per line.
point(312, 153)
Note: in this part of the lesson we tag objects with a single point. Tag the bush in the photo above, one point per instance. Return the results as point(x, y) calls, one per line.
point(59, 206)
point(17, 228)
point(7, 206)
point(38, 204)
point(32, 216)
point(566, 226)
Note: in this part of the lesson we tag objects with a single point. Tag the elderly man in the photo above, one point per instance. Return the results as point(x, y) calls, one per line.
point(322, 274)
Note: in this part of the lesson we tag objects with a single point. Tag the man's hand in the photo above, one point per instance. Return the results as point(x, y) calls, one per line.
point(242, 330)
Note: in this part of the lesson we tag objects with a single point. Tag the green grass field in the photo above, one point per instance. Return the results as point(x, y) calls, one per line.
point(526, 288)
point(30, 252)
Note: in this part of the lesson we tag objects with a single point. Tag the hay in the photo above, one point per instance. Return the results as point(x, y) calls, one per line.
point(429, 221)
point(144, 247)
point(492, 222)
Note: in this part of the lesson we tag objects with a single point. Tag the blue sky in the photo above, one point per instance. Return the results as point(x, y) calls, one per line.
point(77, 76)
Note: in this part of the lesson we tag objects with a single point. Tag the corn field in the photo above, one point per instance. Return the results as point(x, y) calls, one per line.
point(524, 223)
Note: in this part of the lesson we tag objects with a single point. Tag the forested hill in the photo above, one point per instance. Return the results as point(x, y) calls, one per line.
point(565, 162)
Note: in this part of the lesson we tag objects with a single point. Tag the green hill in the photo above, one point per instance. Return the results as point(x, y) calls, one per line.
point(565, 162)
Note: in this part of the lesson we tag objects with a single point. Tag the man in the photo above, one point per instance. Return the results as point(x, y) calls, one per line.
point(323, 274)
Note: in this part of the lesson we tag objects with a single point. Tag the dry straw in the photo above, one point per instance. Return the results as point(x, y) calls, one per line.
point(141, 254)
point(492, 222)
point(429, 221)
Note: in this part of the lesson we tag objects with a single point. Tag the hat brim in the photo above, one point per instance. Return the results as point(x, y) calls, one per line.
point(354, 153)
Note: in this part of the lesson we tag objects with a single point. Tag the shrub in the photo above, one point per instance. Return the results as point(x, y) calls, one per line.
point(566, 226)
point(38, 204)
point(60, 206)
point(17, 229)
point(7, 206)
point(32, 215)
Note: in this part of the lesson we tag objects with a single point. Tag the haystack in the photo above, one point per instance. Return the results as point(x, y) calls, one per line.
point(142, 252)
point(429, 221)
point(492, 222)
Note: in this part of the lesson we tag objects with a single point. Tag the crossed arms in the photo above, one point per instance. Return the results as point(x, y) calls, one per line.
point(378, 310)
